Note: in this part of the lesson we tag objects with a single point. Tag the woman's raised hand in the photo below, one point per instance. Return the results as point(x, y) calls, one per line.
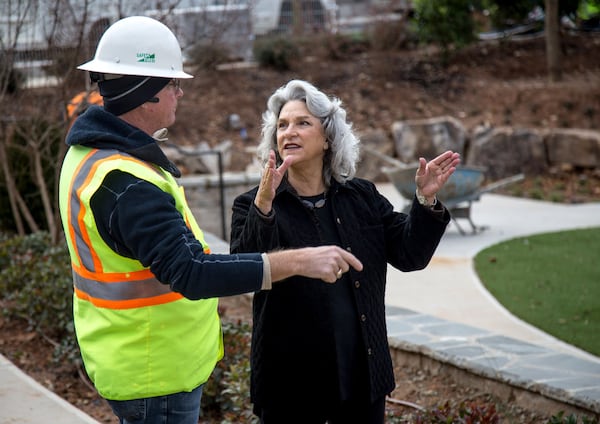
point(270, 180)
point(431, 176)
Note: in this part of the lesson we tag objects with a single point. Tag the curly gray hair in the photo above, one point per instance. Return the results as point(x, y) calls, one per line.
point(343, 153)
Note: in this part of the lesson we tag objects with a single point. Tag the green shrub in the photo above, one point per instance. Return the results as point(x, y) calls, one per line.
point(208, 55)
point(275, 52)
point(36, 285)
point(507, 13)
point(227, 392)
point(560, 418)
point(447, 23)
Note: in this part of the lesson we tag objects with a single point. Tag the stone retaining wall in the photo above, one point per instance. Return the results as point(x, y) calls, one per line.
point(507, 393)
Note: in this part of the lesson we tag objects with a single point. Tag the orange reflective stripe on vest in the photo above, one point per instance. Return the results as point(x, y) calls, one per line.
point(115, 290)
point(121, 291)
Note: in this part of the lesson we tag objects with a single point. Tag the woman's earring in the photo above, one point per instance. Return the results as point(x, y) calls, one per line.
point(326, 146)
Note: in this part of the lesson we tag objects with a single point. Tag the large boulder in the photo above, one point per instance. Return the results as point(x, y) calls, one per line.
point(428, 137)
point(375, 144)
point(573, 147)
point(506, 151)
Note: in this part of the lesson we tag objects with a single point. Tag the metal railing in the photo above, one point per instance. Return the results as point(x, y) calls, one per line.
point(219, 155)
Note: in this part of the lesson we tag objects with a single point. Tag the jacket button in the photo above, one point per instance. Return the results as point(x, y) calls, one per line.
point(369, 351)
point(363, 317)
point(349, 249)
point(339, 221)
point(357, 284)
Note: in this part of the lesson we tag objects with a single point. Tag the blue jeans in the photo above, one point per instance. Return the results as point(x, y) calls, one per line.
point(178, 408)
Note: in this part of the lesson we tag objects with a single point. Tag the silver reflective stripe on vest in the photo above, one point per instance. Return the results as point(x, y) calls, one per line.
point(96, 288)
point(85, 255)
point(121, 290)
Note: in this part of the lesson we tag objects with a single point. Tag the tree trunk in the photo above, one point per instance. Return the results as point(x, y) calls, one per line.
point(297, 18)
point(10, 184)
point(26, 213)
point(44, 194)
point(553, 52)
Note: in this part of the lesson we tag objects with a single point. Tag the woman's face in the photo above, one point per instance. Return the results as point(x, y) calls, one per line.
point(301, 135)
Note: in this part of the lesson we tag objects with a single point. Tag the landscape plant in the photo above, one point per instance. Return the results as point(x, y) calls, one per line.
point(446, 23)
point(226, 394)
point(562, 418)
point(275, 52)
point(36, 286)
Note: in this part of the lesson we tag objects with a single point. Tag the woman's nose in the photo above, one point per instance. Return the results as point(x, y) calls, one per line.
point(289, 131)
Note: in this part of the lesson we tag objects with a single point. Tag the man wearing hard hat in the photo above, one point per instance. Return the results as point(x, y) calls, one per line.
point(145, 282)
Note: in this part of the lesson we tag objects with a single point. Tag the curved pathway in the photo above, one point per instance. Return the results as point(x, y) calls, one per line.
point(449, 287)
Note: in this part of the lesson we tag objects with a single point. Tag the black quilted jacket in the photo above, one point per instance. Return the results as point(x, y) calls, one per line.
point(293, 316)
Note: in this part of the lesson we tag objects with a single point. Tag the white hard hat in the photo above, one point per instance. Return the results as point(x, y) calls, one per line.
point(138, 45)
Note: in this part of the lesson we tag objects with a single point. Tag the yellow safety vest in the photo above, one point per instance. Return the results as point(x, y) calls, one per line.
point(137, 337)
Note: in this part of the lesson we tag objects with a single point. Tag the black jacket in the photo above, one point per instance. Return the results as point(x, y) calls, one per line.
point(292, 335)
point(138, 220)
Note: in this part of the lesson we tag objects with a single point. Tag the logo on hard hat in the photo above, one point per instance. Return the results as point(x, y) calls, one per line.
point(146, 57)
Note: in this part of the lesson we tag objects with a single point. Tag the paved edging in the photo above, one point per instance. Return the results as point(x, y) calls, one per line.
point(566, 379)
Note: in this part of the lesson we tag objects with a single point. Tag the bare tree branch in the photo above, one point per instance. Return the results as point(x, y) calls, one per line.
point(26, 213)
point(36, 154)
point(10, 184)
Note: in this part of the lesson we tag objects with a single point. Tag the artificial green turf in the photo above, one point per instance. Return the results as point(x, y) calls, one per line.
point(551, 281)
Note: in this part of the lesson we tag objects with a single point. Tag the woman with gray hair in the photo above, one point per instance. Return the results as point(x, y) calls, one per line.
point(338, 132)
point(319, 351)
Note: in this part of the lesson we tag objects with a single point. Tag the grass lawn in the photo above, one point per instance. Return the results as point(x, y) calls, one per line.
point(551, 281)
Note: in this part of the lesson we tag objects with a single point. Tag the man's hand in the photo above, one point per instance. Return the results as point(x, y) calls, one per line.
point(327, 263)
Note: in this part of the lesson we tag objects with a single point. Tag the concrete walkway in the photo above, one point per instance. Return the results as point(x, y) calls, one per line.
point(24, 401)
point(442, 311)
point(449, 288)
